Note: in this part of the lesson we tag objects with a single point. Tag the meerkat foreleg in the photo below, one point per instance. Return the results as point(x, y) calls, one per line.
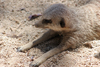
point(49, 34)
point(50, 53)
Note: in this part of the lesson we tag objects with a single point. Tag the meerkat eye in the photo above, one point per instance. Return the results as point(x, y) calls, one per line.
point(62, 23)
point(46, 21)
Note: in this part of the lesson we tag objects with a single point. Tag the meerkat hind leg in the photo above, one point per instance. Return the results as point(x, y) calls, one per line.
point(49, 34)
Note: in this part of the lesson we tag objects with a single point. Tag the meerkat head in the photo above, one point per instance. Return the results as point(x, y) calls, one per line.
point(54, 18)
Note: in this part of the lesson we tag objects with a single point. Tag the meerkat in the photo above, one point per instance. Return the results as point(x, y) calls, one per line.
point(76, 25)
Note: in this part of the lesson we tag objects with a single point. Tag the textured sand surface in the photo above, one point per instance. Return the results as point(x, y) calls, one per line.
point(16, 30)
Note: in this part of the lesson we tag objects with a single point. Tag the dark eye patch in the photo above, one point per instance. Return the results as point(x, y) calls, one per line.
point(62, 23)
point(46, 21)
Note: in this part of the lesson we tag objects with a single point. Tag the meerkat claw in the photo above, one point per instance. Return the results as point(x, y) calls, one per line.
point(19, 50)
point(33, 65)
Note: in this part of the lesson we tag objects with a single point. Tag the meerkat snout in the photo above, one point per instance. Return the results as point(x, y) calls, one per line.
point(43, 23)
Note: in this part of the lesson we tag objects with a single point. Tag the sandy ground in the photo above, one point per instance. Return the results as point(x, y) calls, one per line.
point(16, 30)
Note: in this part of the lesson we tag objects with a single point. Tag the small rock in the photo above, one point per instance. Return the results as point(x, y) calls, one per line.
point(87, 44)
point(17, 22)
point(22, 9)
point(97, 55)
point(1, 43)
point(12, 10)
point(32, 58)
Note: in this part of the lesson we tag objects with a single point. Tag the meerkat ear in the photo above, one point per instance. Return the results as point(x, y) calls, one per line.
point(46, 21)
point(62, 22)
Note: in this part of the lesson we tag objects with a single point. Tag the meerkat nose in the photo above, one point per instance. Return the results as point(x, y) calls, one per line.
point(36, 25)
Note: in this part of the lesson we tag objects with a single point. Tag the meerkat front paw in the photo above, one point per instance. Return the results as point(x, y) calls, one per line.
point(34, 64)
point(19, 49)
point(25, 47)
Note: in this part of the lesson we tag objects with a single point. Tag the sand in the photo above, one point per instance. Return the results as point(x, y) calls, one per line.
point(16, 30)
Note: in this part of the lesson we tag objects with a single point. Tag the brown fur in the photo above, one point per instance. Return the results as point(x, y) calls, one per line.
point(81, 24)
